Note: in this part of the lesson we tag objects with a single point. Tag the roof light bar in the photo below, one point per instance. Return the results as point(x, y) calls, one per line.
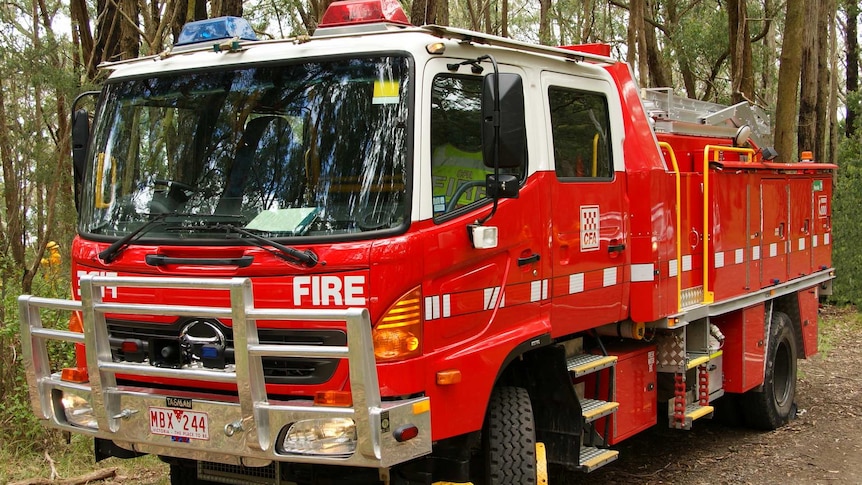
point(213, 30)
point(354, 12)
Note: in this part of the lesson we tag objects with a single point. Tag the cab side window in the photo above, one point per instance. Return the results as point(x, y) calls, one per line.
point(581, 132)
point(457, 169)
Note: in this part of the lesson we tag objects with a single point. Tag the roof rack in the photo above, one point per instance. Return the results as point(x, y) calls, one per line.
point(678, 114)
point(493, 40)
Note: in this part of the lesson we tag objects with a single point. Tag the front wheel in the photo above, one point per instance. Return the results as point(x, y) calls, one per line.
point(773, 405)
point(509, 438)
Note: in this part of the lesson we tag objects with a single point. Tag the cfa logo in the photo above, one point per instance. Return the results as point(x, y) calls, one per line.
point(105, 289)
point(329, 290)
point(589, 227)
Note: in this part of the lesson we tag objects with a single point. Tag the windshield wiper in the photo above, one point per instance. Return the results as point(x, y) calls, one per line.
point(109, 254)
point(307, 258)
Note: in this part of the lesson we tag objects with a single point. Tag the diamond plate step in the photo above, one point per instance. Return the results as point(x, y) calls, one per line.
point(583, 364)
point(592, 458)
point(593, 409)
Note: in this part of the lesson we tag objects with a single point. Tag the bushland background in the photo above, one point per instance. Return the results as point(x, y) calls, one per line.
point(798, 59)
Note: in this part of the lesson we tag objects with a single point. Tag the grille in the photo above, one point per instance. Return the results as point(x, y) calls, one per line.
point(276, 370)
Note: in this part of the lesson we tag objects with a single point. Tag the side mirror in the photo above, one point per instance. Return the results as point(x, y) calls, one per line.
point(503, 109)
point(80, 139)
point(80, 142)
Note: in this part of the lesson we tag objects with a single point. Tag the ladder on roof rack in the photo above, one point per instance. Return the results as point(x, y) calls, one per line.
point(678, 114)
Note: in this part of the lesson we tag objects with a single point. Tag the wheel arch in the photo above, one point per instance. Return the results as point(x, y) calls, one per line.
point(789, 305)
point(556, 408)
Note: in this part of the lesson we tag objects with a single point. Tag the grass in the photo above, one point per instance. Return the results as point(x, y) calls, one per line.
point(75, 459)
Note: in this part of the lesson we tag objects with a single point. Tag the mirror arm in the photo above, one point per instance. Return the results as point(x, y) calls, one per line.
point(496, 120)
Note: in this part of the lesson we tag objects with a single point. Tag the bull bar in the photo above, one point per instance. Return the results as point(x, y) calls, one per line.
point(243, 428)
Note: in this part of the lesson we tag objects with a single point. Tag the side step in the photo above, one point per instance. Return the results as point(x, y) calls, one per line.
point(693, 411)
point(593, 409)
point(592, 458)
point(583, 364)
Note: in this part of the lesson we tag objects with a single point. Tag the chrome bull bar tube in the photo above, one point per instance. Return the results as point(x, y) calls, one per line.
point(243, 429)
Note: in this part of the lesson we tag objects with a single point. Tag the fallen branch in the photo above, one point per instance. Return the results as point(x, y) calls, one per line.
point(91, 477)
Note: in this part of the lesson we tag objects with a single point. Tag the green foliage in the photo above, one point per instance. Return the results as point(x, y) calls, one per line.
point(19, 427)
point(847, 222)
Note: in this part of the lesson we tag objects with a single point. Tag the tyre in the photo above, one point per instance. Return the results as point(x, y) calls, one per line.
point(773, 405)
point(509, 438)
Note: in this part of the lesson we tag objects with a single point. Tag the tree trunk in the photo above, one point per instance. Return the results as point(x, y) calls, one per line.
point(788, 81)
point(742, 77)
point(852, 44)
point(423, 12)
point(232, 8)
point(504, 18)
point(80, 18)
point(821, 129)
point(545, 22)
point(809, 76)
point(659, 77)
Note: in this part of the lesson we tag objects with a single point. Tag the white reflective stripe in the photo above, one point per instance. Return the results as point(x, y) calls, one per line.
point(643, 272)
point(814, 239)
point(491, 295)
point(576, 283)
point(773, 250)
point(826, 239)
point(672, 268)
point(447, 306)
point(755, 253)
point(544, 289)
point(535, 291)
point(740, 256)
point(609, 277)
point(719, 259)
point(432, 307)
point(686, 263)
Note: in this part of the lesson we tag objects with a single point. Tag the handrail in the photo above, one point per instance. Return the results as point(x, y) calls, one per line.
point(708, 296)
point(595, 154)
point(666, 146)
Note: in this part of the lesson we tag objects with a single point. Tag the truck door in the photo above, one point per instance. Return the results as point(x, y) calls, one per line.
point(589, 256)
point(773, 200)
point(467, 291)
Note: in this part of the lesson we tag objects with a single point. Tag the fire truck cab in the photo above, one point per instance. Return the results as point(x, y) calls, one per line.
point(419, 254)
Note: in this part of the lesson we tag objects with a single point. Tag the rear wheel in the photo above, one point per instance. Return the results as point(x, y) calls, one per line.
point(509, 438)
point(773, 405)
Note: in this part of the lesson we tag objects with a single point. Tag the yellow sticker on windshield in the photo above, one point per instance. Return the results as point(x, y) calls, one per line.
point(385, 92)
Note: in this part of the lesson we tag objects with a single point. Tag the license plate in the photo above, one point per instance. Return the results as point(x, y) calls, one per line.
point(179, 422)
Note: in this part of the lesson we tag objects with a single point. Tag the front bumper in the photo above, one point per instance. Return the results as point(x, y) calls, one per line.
point(243, 429)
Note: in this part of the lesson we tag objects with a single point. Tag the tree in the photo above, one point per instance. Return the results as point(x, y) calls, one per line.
point(788, 81)
point(851, 10)
point(809, 92)
point(741, 72)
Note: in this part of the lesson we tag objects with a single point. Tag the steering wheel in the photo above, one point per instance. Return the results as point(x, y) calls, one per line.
point(374, 218)
point(461, 190)
point(180, 185)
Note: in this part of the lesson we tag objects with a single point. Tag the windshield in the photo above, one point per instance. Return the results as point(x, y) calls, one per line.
point(314, 149)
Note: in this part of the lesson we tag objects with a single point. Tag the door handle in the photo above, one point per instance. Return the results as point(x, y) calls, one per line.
point(616, 248)
point(533, 258)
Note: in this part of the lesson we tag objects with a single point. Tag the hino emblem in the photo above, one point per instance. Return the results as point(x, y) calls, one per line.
point(198, 333)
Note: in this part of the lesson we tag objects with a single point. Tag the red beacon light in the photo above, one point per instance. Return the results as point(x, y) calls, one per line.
point(357, 12)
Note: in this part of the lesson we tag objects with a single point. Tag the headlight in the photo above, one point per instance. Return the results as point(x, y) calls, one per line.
point(78, 411)
point(330, 437)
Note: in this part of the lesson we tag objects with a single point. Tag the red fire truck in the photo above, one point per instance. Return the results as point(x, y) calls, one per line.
point(399, 254)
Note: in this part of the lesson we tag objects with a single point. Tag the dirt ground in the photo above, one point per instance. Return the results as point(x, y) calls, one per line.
point(822, 446)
